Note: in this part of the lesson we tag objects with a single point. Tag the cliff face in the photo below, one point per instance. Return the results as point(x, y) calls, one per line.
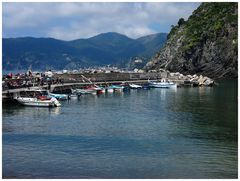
point(207, 43)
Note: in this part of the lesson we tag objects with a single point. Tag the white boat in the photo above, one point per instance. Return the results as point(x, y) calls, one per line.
point(109, 90)
point(74, 94)
point(114, 88)
point(86, 91)
point(36, 97)
point(28, 101)
point(58, 96)
point(163, 84)
point(135, 86)
point(93, 88)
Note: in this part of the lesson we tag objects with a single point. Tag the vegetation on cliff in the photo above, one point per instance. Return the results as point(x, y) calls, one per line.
point(206, 43)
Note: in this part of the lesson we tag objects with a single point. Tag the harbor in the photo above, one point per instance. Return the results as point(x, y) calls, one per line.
point(64, 83)
point(116, 90)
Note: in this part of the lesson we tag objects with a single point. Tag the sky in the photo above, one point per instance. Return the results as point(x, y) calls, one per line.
point(69, 21)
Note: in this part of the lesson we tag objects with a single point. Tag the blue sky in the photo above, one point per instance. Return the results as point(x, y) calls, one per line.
point(69, 21)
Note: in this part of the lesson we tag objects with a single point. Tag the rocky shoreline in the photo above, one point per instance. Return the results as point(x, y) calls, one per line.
point(195, 80)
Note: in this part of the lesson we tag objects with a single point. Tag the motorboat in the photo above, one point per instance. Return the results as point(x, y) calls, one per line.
point(75, 94)
point(48, 94)
point(92, 89)
point(28, 101)
point(135, 86)
point(86, 91)
point(36, 98)
point(58, 96)
point(114, 88)
point(163, 84)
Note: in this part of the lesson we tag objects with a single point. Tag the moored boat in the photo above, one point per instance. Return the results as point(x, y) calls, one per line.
point(58, 96)
point(86, 91)
point(36, 98)
point(163, 84)
point(28, 101)
point(114, 88)
point(75, 94)
point(92, 89)
point(135, 86)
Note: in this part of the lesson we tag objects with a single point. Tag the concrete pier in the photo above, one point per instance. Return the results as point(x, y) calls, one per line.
point(7, 95)
point(71, 81)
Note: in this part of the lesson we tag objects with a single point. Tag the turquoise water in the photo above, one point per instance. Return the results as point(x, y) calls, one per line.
point(157, 133)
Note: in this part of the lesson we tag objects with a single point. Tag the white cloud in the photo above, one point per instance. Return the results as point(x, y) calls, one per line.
point(81, 20)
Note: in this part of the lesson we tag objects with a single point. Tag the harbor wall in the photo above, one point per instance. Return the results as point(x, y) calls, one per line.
point(114, 76)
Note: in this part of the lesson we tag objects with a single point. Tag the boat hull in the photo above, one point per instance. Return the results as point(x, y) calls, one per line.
point(59, 96)
point(86, 91)
point(134, 86)
point(114, 88)
point(38, 103)
point(162, 85)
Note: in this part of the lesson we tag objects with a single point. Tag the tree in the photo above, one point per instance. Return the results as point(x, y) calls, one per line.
point(181, 21)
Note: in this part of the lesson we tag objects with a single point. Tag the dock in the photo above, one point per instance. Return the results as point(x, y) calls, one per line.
point(72, 81)
point(7, 95)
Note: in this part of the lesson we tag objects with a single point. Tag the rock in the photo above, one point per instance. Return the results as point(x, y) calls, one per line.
point(195, 76)
point(201, 80)
point(135, 70)
point(153, 71)
point(140, 71)
point(181, 77)
point(161, 70)
point(195, 83)
point(177, 74)
point(208, 82)
point(189, 76)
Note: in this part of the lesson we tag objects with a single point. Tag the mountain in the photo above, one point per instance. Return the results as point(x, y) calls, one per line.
point(152, 43)
point(21, 53)
point(207, 43)
point(106, 48)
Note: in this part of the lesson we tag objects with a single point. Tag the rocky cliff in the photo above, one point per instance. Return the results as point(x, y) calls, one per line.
point(207, 43)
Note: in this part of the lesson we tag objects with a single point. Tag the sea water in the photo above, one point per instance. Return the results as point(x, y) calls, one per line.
point(158, 133)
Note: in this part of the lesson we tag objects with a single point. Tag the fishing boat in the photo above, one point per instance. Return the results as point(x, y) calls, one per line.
point(109, 90)
point(74, 94)
point(91, 89)
point(58, 96)
point(36, 98)
point(114, 88)
point(42, 92)
point(86, 91)
point(135, 86)
point(163, 84)
point(99, 90)
point(27, 101)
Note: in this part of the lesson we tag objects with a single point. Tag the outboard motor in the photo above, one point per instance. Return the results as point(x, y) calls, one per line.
point(55, 101)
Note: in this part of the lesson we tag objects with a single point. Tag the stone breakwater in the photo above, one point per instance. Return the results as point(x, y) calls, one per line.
point(195, 80)
point(198, 80)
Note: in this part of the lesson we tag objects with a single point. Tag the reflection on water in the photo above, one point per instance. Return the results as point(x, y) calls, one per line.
point(157, 133)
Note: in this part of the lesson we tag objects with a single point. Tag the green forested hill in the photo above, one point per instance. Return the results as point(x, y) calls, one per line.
point(107, 48)
point(206, 43)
